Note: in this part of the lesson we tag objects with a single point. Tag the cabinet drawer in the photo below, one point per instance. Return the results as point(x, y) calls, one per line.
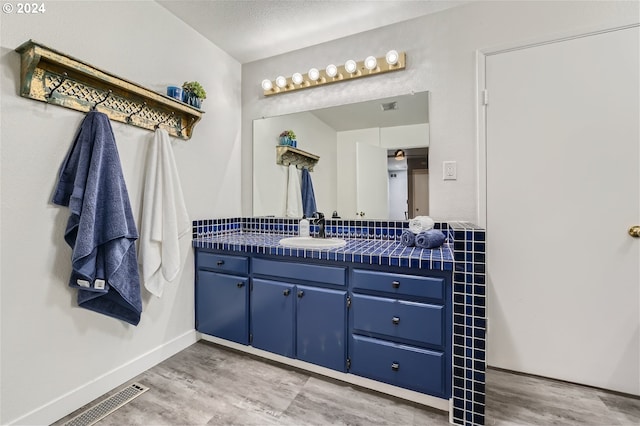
point(420, 322)
point(413, 368)
point(399, 284)
point(301, 271)
point(223, 263)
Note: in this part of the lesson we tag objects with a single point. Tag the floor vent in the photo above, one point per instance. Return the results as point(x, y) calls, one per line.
point(93, 415)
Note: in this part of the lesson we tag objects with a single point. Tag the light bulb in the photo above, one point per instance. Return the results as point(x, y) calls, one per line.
point(266, 84)
point(314, 74)
point(281, 82)
point(350, 66)
point(297, 78)
point(392, 57)
point(370, 63)
point(331, 70)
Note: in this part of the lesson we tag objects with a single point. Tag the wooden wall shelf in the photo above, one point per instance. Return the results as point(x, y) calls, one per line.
point(50, 76)
point(286, 155)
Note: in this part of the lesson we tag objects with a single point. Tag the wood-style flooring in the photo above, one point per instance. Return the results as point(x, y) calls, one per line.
point(206, 384)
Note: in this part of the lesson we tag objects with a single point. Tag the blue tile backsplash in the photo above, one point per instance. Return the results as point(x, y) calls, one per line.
point(378, 242)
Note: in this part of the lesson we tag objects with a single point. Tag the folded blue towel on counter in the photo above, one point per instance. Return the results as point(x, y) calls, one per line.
point(430, 239)
point(408, 238)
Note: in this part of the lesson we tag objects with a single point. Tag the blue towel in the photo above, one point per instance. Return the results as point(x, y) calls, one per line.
point(430, 239)
point(308, 196)
point(408, 238)
point(100, 229)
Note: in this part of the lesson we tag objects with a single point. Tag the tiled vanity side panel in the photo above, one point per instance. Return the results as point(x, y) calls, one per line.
point(469, 324)
point(338, 228)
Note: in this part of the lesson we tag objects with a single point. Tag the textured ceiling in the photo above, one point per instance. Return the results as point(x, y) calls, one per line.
point(250, 30)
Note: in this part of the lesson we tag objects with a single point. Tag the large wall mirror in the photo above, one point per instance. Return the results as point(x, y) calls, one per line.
point(373, 159)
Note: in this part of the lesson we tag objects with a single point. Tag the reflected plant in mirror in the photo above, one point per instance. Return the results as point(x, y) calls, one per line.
point(373, 159)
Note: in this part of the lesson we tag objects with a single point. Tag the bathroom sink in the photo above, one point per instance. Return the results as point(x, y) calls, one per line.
point(312, 243)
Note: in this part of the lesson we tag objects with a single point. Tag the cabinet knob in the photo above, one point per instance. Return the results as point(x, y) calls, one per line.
point(220, 262)
point(396, 284)
point(286, 292)
point(240, 285)
point(395, 366)
point(395, 320)
point(300, 293)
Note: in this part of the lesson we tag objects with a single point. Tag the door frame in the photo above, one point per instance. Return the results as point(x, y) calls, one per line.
point(481, 110)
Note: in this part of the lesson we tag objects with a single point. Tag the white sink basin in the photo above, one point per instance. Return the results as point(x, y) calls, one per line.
point(312, 243)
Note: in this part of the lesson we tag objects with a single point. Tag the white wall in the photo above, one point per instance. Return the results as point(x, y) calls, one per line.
point(54, 355)
point(313, 136)
point(412, 136)
point(441, 58)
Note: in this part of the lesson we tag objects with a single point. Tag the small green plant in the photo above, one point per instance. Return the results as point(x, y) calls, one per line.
point(195, 88)
point(289, 133)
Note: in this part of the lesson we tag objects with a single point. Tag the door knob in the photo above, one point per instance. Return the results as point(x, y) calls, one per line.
point(395, 366)
point(395, 284)
point(300, 293)
point(286, 292)
point(240, 284)
point(634, 231)
point(395, 320)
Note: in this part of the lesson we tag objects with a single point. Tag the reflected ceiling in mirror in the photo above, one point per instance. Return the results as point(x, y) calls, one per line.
point(352, 177)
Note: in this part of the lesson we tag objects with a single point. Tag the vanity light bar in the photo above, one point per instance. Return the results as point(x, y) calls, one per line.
point(392, 61)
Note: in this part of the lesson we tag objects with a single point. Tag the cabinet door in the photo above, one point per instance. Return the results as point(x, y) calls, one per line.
point(272, 316)
point(221, 306)
point(321, 327)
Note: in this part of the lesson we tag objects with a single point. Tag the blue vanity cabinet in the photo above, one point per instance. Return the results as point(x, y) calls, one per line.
point(301, 306)
point(273, 316)
point(400, 330)
point(222, 296)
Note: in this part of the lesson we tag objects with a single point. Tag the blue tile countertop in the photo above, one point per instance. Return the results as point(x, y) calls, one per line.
point(374, 243)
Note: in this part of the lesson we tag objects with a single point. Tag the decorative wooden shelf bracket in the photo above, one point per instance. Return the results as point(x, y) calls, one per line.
point(53, 77)
point(286, 155)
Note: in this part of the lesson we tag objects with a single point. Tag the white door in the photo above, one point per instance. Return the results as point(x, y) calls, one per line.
point(563, 188)
point(420, 192)
point(372, 187)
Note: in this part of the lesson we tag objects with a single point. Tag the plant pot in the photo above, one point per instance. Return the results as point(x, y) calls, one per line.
point(285, 140)
point(191, 99)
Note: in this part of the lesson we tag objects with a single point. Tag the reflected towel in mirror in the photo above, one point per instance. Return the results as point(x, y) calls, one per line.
point(308, 196)
point(294, 193)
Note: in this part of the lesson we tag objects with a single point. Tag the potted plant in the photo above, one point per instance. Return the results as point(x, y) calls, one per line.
point(288, 137)
point(193, 93)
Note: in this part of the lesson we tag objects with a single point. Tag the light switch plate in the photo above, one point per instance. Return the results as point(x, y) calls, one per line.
point(449, 170)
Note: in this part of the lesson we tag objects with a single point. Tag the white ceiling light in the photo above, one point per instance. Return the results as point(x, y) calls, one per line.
point(266, 84)
point(371, 63)
point(314, 74)
point(297, 78)
point(281, 82)
point(331, 70)
point(392, 57)
point(350, 66)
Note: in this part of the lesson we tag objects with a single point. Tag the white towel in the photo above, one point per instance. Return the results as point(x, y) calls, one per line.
point(420, 224)
point(294, 193)
point(164, 217)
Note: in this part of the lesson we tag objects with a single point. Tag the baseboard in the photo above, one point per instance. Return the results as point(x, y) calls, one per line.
point(82, 395)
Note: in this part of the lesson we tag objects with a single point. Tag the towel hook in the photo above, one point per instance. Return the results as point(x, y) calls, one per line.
point(48, 95)
point(190, 123)
point(144, 104)
point(103, 99)
point(157, 126)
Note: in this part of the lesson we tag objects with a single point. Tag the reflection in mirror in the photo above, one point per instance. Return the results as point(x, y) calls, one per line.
point(360, 174)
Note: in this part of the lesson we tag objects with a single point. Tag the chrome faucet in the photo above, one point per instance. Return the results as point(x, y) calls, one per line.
point(318, 219)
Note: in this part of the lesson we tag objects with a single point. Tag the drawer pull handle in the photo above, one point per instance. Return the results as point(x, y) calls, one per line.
point(395, 320)
point(240, 285)
point(286, 292)
point(396, 284)
point(300, 293)
point(395, 366)
point(220, 262)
